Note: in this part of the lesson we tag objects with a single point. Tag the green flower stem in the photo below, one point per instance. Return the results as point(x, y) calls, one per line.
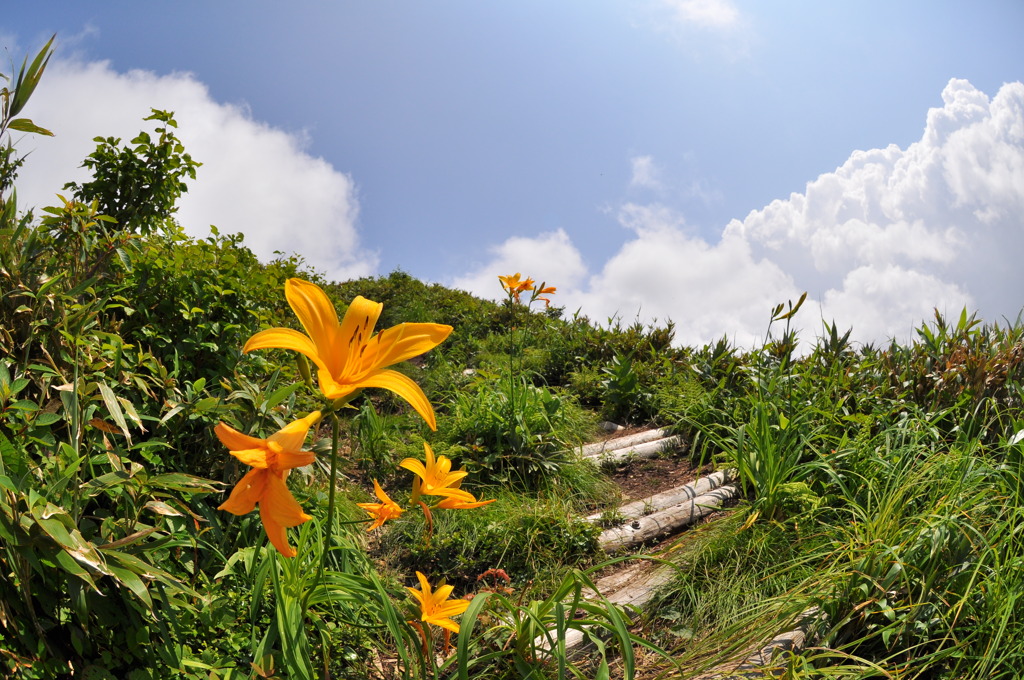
point(331, 490)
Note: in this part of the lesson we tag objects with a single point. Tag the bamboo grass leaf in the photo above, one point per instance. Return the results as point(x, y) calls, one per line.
point(114, 408)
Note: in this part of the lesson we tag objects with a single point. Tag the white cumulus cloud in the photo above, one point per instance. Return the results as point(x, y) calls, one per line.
point(896, 232)
point(550, 257)
point(255, 179)
point(878, 244)
point(664, 272)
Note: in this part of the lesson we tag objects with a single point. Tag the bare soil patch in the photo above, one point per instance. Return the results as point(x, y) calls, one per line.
point(642, 478)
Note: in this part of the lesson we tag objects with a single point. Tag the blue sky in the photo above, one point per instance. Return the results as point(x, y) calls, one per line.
point(629, 152)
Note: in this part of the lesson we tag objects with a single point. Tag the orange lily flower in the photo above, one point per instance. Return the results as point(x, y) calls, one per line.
point(383, 511)
point(544, 291)
point(271, 459)
point(436, 477)
point(433, 606)
point(348, 355)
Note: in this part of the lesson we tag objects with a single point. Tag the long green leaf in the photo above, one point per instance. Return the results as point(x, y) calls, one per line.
point(75, 569)
point(26, 125)
point(114, 407)
point(27, 81)
point(131, 580)
point(288, 616)
point(468, 622)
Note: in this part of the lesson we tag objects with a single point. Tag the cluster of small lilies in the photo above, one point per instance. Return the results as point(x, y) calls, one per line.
point(350, 357)
point(515, 287)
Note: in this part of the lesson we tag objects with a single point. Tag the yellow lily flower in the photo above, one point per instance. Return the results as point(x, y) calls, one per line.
point(383, 511)
point(433, 606)
point(510, 282)
point(436, 477)
point(348, 355)
point(458, 503)
point(514, 286)
point(271, 459)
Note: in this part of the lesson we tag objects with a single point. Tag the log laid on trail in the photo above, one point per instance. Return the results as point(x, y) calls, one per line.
point(768, 660)
point(666, 499)
point(597, 448)
point(633, 587)
point(648, 449)
point(664, 522)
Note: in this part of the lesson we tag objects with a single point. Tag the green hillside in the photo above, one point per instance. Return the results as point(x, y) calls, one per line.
point(882, 488)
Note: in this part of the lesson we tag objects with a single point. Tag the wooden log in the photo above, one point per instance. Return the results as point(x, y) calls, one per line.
point(649, 449)
point(597, 448)
point(667, 521)
point(631, 587)
point(667, 499)
point(771, 658)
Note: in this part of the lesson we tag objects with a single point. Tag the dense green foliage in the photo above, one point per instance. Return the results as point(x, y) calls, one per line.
point(883, 486)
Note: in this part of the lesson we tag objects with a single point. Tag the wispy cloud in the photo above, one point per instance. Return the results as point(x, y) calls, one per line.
point(878, 243)
point(645, 174)
point(715, 14)
point(704, 29)
point(255, 179)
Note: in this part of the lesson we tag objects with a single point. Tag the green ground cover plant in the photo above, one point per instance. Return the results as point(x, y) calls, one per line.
point(145, 372)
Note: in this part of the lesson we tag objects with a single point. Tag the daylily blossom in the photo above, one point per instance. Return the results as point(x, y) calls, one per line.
point(383, 511)
point(348, 355)
point(433, 606)
point(458, 503)
point(436, 477)
point(510, 282)
point(539, 295)
point(514, 286)
point(271, 459)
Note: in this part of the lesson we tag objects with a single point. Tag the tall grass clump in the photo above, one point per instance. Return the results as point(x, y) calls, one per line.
point(899, 549)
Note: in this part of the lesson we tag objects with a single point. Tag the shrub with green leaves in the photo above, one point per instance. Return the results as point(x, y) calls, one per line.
point(513, 431)
point(529, 540)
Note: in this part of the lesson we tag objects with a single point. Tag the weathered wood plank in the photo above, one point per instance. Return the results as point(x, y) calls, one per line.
point(667, 521)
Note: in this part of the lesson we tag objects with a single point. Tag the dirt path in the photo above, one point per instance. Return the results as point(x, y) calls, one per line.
point(663, 495)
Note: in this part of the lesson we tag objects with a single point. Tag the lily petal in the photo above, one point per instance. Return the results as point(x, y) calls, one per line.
point(316, 313)
point(286, 460)
point(246, 493)
point(353, 335)
point(256, 458)
point(423, 594)
point(277, 533)
point(407, 389)
point(235, 440)
point(451, 608)
point(379, 492)
point(454, 503)
point(444, 623)
point(442, 593)
point(448, 492)
point(414, 466)
point(292, 435)
point(280, 505)
point(285, 338)
point(405, 341)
